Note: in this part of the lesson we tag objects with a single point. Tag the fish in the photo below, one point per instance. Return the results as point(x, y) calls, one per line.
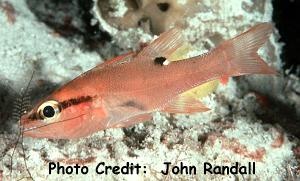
point(127, 89)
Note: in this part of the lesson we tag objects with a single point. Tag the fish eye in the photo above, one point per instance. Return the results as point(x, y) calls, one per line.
point(49, 110)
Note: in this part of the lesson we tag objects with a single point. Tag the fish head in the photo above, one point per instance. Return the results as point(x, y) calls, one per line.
point(63, 115)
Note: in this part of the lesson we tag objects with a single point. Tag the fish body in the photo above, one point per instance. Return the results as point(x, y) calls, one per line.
point(127, 89)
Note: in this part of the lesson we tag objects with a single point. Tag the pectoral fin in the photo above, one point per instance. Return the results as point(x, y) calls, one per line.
point(133, 120)
point(185, 104)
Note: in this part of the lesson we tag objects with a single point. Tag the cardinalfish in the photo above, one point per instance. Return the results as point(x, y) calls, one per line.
point(126, 90)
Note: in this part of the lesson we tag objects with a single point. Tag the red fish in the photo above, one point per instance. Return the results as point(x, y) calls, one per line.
point(127, 89)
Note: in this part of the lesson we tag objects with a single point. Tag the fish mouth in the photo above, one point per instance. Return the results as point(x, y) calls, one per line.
point(28, 124)
point(24, 129)
point(27, 128)
point(32, 129)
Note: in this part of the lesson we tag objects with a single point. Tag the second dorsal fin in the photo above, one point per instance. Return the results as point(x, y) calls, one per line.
point(167, 43)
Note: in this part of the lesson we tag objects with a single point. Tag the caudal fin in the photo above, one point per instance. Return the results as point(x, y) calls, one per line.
point(241, 51)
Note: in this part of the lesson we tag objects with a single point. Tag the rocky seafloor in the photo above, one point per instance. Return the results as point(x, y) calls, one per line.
point(252, 119)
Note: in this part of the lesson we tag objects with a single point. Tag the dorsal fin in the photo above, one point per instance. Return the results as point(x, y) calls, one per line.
point(114, 60)
point(167, 43)
point(185, 104)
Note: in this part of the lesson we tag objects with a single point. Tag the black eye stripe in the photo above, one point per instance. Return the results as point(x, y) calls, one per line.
point(75, 101)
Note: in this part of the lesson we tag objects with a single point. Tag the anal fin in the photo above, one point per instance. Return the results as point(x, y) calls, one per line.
point(185, 104)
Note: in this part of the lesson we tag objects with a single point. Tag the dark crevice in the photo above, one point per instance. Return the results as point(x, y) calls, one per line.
point(133, 139)
point(70, 19)
point(286, 16)
point(163, 6)
point(282, 114)
point(7, 99)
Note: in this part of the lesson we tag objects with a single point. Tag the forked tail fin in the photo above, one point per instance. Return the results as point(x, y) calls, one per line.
point(241, 51)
